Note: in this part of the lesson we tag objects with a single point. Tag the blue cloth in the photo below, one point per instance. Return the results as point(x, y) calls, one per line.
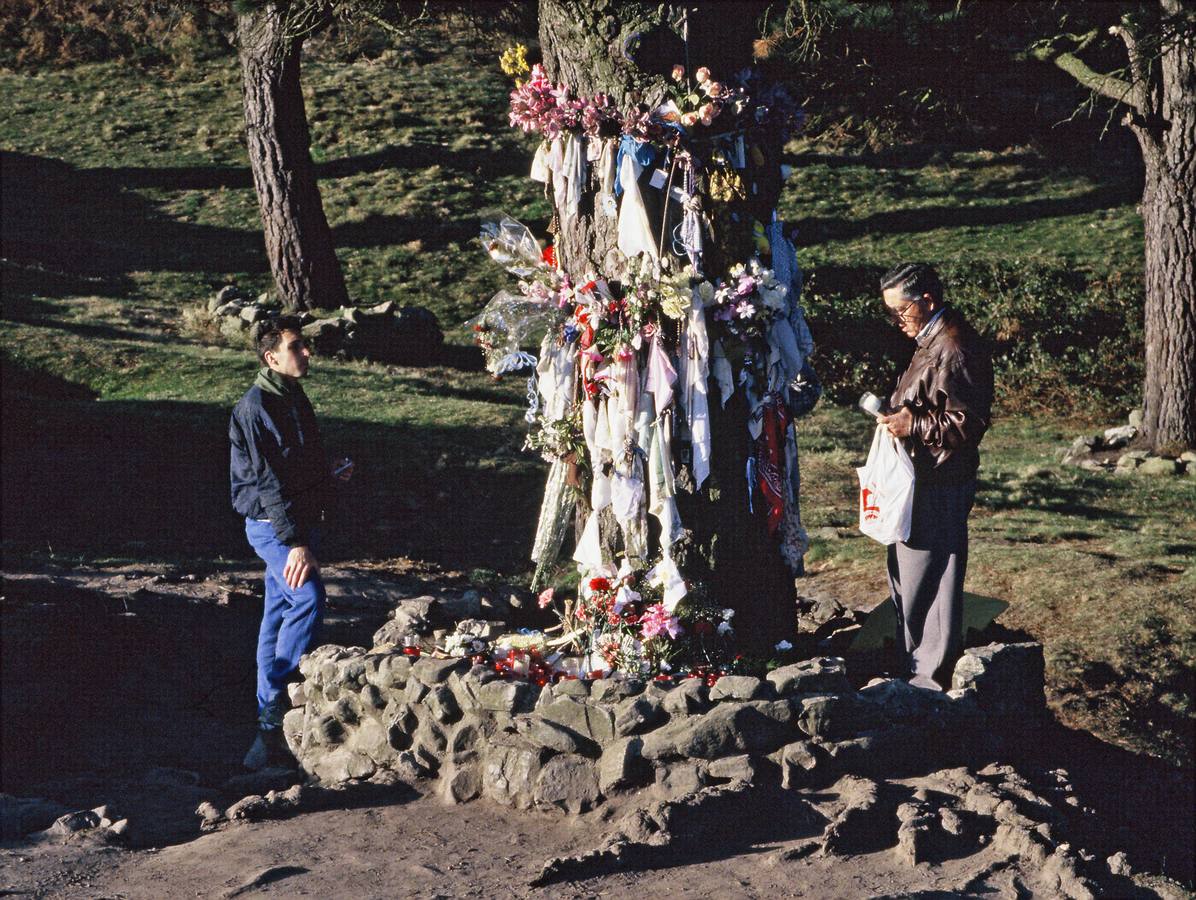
point(290, 620)
point(642, 152)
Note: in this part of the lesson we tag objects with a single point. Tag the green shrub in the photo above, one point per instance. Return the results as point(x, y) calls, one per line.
point(1061, 339)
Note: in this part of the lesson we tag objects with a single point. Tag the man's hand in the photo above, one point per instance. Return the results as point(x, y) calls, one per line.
point(899, 424)
point(301, 565)
point(342, 469)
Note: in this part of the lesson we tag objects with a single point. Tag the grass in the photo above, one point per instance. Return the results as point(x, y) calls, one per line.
point(127, 199)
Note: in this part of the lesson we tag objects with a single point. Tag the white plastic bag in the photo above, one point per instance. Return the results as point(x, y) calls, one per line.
point(886, 490)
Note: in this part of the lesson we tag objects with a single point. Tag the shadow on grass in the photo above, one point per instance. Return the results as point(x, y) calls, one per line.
point(149, 480)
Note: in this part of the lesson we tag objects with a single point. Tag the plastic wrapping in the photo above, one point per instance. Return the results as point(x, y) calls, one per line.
point(512, 245)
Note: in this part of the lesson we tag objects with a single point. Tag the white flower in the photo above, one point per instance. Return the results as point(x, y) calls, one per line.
point(706, 292)
point(782, 646)
point(724, 628)
point(728, 614)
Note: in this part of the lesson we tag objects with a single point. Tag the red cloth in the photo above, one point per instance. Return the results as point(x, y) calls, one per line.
point(770, 459)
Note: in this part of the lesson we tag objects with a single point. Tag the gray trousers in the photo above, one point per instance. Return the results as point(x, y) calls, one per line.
point(926, 580)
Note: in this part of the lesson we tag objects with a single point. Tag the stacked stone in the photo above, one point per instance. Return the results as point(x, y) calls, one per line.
point(404, 335)
point(573, 744)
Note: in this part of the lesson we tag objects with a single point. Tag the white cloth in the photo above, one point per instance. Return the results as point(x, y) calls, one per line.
point(635, 233)
point(720, 368)
point(667, 574)
point(554, 374)
point(661, 376)
point(695, 371)
point(588, 552)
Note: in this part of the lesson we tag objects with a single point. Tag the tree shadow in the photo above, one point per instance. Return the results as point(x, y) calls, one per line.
point(110, 479)
point(64, 225)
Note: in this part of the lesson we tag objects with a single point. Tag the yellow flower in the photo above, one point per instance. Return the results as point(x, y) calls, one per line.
point(513, 61)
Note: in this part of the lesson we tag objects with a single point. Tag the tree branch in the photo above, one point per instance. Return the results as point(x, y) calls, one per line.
point(1116, 89)
point(1139, 66)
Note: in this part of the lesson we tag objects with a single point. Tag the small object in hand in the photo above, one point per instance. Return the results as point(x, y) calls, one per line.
point(870, 403)
point(342, 467)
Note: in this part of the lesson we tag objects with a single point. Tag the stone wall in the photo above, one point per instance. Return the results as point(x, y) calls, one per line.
point(576, 744)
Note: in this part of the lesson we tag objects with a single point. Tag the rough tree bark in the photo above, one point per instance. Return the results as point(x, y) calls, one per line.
point(298, 239)
point(1161, 96)
point(626, 50)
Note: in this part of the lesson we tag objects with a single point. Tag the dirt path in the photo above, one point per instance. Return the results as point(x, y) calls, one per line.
point(134, 688)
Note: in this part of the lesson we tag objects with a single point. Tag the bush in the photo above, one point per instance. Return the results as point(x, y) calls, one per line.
point(1061, 338)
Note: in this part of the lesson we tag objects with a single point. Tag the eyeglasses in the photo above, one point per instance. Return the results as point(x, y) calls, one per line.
point(898, 316)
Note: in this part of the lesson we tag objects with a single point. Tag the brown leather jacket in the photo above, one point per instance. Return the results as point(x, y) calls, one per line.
point(949, 389)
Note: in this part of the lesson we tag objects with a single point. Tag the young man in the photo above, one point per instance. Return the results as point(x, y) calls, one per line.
point(281, 484)
point(941, 407)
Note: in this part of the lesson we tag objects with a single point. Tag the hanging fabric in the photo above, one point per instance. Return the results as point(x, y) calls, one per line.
point(695, 374)
point(635, 232)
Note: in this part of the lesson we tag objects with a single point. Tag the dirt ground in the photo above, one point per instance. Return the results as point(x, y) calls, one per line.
point(134, 688)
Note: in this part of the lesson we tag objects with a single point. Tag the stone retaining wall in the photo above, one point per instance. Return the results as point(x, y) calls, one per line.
point(575, 744)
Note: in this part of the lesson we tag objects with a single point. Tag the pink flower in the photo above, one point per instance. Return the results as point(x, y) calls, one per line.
point(655, 620)
point(713, 89)
point(546, 597)
point(702, 75)
point(707, 114)
point(678, 72)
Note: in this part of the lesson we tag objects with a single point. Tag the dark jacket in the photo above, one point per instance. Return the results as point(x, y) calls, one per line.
point(277, 466)
point(949, 389)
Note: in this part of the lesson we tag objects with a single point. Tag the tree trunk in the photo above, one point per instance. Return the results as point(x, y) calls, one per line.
point(626, 50)
point(1169, 218)
point(298, 239)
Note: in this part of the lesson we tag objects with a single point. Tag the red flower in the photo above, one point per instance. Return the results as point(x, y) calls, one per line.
point(587, 337)
point(549, 255)
point(599, 584)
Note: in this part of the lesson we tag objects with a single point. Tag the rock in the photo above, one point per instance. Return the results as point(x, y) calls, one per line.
point(738, 687)
point(572, 687)
point(509, 773)
point(612, 690)
point(417, 337)
point(443, 704)
point(386, 308)
point(899, 701)
point(914, 835)
point(253, 314)
point(506, 696)
point(1158, 465)
point(1136, 419)
point(227, 293)
point(743, 769)
point(415, 691)
point(557, 738)
point(231, 309)
point(1188, 458)
point(1132, 459)
point(568, 782)
point(325, 336)
point(835, 716)
point(678, 779)
point(1119, 436)
point(595, 723)
point(460, 783)
point(619, 764)
point(1119, 865)
point(431, 671)
point(296, 693)
point(731, 727)
point(689, 698)
point(1007, 679)
point(857, 826)
point(1081, 447)
point(824, 675)
point(248, 809)
point(210, 816)
point(74, 822)
point(466, 606)
point(797, 761)
point(638, 714)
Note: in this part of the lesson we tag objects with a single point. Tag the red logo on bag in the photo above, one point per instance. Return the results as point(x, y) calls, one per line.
point(871, 513)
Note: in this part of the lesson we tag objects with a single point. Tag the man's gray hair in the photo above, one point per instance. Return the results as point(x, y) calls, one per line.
point(914, 279)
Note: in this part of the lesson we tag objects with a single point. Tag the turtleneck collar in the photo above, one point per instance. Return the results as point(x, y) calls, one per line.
point(275, 383)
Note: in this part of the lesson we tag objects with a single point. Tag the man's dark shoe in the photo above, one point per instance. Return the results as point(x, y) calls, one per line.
point(269, 749)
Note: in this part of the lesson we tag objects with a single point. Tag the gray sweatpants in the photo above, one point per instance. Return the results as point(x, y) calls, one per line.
point(926, 579)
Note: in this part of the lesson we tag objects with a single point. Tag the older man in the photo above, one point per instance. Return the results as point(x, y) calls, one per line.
point(941, 407)
point(281, 484)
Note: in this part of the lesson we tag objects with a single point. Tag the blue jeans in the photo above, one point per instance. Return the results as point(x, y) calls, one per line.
point(290, 621)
